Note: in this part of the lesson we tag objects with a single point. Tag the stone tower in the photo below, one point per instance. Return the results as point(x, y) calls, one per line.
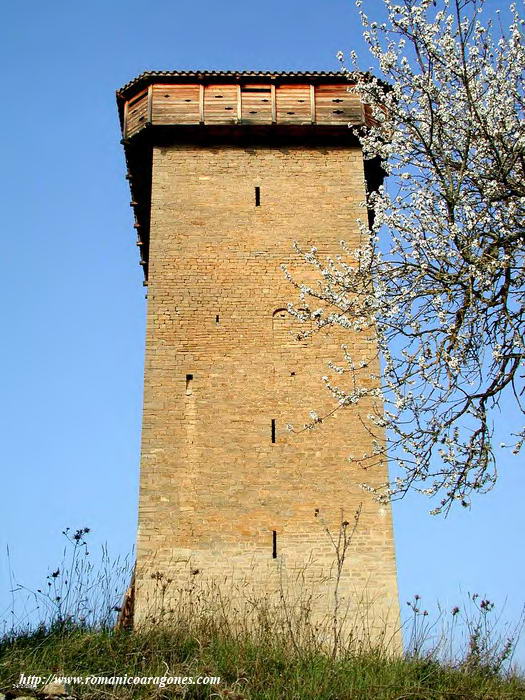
point(227, 170)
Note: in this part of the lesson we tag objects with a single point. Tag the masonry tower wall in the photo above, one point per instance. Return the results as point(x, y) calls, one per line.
point(228, 496)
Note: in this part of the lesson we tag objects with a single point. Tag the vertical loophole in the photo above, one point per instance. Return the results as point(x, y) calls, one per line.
point(189, 381)
point(273, 430)
point(274, 544)
point(257, 196)
point(217, 319)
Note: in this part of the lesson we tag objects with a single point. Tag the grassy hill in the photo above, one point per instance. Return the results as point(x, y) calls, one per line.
point(460, 655)
point(249, 667)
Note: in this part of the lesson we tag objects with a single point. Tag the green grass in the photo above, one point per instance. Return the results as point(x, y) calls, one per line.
point(463, 654)
point(249, 666)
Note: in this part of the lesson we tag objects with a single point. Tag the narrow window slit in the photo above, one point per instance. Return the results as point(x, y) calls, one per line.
point(273, 430)
point(274, 544)
point(189, 380)
point(257, 196)
point(217, 319)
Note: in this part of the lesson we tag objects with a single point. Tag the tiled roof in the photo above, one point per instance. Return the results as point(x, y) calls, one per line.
point(230, 75)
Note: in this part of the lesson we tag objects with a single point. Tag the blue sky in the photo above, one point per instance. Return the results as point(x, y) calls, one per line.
point(73, 302)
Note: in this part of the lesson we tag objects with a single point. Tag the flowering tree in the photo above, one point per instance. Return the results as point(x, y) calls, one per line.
point(439, 277)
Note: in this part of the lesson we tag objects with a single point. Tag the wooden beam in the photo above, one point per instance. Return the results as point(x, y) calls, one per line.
point(201, 103)
point(125, 120)
point(312, 104)
point(150, 105)
point(239, 104)
point(274, 104)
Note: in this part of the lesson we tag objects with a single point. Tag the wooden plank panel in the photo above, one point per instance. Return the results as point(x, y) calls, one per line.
point(293, 104)
point(136, 114)
point(220, 104)
point(175, 104)
point(335, 105)
point(256, 104)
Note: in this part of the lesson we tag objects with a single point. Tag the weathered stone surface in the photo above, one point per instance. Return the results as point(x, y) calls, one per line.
point(53, 689)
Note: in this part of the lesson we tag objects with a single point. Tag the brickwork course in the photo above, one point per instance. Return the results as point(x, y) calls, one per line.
point(232, 504)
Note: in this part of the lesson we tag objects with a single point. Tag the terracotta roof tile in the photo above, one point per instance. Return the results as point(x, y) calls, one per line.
point(229, 75)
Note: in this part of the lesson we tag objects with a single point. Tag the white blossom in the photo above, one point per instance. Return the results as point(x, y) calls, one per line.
point(437, 286)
